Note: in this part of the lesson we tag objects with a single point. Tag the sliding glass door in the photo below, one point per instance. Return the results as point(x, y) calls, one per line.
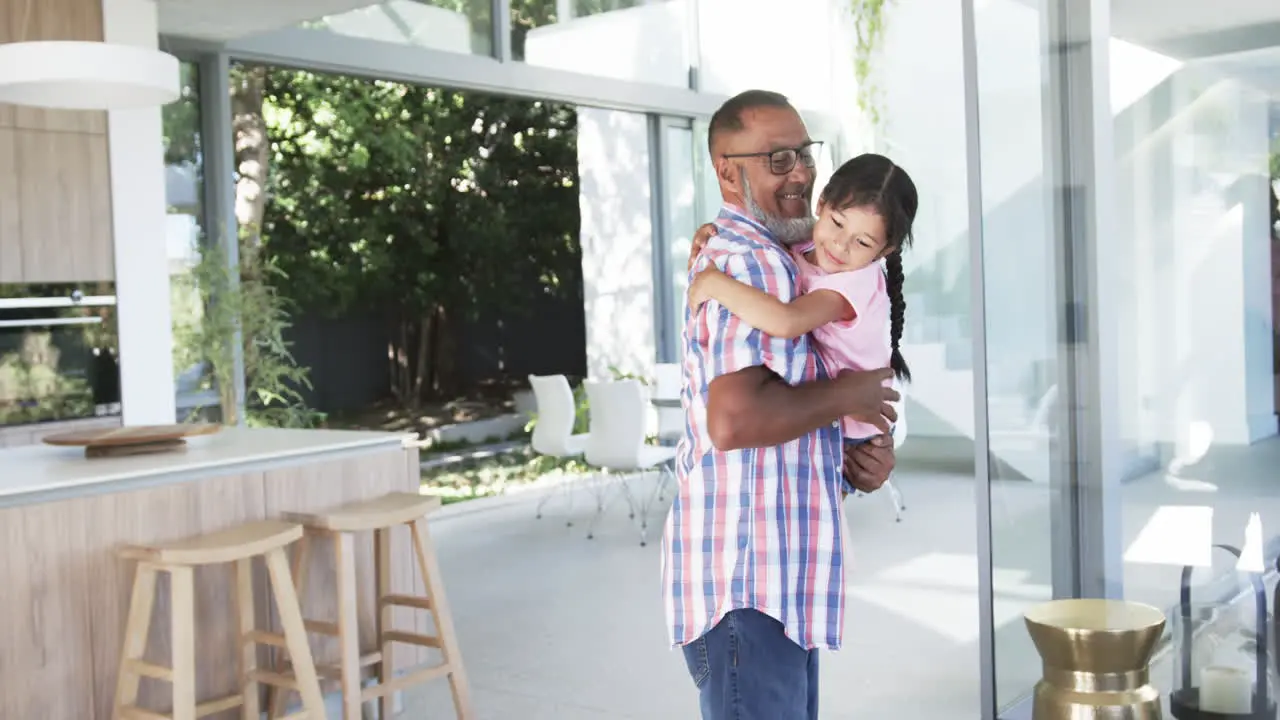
point(1033, 216)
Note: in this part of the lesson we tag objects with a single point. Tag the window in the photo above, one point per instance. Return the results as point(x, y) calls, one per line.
point(639, 40)
point(184, 230)
point(461, 26)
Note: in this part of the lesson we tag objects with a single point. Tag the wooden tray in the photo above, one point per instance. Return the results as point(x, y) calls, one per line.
point(131, 440)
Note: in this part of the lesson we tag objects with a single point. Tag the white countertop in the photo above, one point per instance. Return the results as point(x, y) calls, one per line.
point(40, 473)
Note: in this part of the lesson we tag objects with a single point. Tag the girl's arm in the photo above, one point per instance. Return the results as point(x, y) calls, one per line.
point(765, 312)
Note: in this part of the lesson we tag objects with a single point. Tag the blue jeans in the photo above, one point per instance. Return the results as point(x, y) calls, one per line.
point(746, 668)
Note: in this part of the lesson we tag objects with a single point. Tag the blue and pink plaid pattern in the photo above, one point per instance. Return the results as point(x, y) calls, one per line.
point(758, 528)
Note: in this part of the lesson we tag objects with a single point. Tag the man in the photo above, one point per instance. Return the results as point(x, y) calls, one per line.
point(753, 559)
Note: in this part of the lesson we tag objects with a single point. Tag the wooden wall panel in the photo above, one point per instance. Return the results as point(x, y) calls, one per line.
point(98, 247)
point(51, 20)
point(65, 215)
point(10, 219)
point(65, 205)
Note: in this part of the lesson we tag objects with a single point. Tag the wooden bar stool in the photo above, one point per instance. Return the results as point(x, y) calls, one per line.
point(381, 515)
point(239, 545)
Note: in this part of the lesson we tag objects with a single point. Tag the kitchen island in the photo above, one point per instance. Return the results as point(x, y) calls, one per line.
point(64, 592)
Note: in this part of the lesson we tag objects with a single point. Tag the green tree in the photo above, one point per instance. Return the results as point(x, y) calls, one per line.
point(181, 120)
point(428, 204)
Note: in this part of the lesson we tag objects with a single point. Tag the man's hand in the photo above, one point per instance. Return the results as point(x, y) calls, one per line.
point(867, 466)
point(700, 239)
point(864, 396)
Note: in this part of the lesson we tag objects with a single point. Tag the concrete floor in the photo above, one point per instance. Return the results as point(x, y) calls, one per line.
point(558, 627)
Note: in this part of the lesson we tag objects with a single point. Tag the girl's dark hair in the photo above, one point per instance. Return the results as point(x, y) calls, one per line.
point(872, 181)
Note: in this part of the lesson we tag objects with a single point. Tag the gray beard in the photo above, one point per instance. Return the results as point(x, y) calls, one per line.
point(788, 231)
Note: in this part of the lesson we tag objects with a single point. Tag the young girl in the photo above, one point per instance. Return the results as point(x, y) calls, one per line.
point(864, 215)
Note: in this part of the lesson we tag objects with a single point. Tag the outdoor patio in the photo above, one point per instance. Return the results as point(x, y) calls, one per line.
point(555, 626)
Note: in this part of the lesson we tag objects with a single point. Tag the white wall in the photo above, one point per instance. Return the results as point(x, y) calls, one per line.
point(139, 228)
point(407, 23)
point(646, 43)
point(785, 47)
point(740, 44)
point(617, 241)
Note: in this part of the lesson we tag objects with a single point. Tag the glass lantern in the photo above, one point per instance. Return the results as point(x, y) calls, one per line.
point(1224, 657)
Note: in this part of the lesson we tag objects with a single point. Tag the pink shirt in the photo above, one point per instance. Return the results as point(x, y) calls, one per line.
point(860, 344)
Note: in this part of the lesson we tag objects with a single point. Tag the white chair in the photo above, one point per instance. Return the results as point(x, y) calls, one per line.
point(553, 431)
point(667, 380)
point(616, 444)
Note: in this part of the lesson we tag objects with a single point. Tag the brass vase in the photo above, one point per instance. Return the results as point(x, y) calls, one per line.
point(1096, 656)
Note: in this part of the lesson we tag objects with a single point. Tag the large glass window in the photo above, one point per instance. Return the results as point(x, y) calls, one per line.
point(1026, 358)
point(1189, 277)
point(461, 26)
point(184, 236)
point(1131, 389)
point(640, 40)
point(680, 204)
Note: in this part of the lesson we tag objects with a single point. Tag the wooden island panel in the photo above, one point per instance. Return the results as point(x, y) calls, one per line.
point(66, 591)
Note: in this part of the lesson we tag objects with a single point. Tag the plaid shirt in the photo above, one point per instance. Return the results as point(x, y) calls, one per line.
point(758, 528)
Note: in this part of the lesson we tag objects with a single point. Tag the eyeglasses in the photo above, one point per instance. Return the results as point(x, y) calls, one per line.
point(783, 161)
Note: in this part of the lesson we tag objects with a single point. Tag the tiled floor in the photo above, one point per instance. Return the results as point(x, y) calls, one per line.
point(555, 626)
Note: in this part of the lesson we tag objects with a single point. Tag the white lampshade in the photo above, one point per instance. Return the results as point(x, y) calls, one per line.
point(70, 75)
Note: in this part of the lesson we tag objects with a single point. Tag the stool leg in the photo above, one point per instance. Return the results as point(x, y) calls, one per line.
point(300, 562)
point(348, 624)
point(295, 634)
point(248, 648)
point(429, 566)
point(182, 632)
point(386, 617)
point(136, 628)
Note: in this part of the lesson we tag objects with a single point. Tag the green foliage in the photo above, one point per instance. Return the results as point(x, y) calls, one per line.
point(470, 479)
point(1274, 162)
point(33, 390)
point(869, 26)
point(431, 205)
point(181, 120)
point(252, 306)
point(619, 374)
point(403, 195)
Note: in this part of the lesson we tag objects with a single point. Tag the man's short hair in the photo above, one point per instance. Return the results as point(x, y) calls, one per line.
point(728, 119)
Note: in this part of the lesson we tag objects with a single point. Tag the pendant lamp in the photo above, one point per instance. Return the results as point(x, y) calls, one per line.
point(85, 75)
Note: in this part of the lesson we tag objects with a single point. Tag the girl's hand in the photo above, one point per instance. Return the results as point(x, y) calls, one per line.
point(700, 289)
point(700, 239)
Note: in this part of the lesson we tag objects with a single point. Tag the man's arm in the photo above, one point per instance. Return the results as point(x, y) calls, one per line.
point(749, 401)
point(753, 407)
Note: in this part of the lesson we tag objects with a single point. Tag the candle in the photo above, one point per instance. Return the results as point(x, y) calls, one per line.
point(1226, 690)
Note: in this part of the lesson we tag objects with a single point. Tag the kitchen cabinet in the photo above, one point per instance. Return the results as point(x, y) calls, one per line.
point(64, 206)
point(55, 203)
point(10, 221)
